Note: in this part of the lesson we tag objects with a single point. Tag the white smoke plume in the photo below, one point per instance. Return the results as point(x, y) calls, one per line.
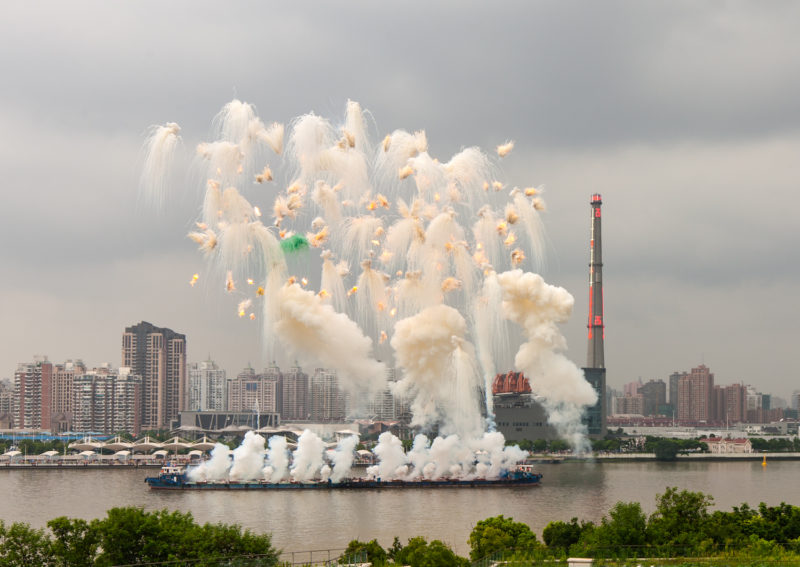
point(538, 308)
point(307, 459)
point(342, 458)
point(445, 458)
point(159, 150)
point(439, 370)
point(391, 458)
point(248, 458)
point(310, 327)
point(216, 468)
point(277, 468)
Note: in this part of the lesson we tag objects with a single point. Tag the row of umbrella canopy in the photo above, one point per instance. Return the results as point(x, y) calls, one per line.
point(148, 444)
point(144, 445)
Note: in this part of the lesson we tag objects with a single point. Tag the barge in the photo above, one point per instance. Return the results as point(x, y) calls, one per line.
point(173, 477)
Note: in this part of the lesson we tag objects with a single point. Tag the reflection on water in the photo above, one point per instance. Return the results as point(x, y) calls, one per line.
point(303, 520)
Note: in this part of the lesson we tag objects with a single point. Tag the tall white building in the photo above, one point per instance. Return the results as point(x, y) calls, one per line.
point(108, 401)
point(207, 387)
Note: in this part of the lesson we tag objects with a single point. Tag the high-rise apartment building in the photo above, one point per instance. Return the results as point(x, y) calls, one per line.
point(654, 396)
point(251, 392)
point(6, 404)
point(294, 395)
point(107, 401)
point(92, 405)
point(158, 355)
point(673, 389)
point(127, 402)
point(695, 395)
point(387, 406)
point(733, 408)
point(632, 388)
point(62, 393)
point(629, 405)
point(33, 394)
point(326, 400)
point(207, 387)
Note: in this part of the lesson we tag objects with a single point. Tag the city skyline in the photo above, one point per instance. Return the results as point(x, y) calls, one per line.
point(686, 122)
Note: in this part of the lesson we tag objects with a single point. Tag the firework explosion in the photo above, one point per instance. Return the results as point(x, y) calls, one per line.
point(421, 264)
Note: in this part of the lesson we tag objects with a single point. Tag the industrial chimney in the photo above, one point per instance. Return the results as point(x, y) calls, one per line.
point(595, 357)
point(595, 370)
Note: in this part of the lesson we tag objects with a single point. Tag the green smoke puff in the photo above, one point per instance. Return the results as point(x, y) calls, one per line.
point(294, 243)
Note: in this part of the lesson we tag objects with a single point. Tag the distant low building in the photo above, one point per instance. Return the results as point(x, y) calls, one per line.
point(718, 445)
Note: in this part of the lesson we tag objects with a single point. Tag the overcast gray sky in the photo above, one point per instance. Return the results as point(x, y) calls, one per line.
point(685, 116)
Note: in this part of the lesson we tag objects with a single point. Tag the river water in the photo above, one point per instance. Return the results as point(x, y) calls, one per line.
point(321, 519)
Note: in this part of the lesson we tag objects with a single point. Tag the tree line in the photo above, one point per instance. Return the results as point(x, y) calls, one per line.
point(132, 536)
point(682, 525)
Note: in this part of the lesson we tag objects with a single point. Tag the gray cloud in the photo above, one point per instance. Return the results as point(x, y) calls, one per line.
point(686, 117)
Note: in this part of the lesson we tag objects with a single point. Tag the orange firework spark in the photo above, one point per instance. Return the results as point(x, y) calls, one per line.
point(260, 291)
point(352, 290)
point(265, 175)
point(405, 172)
point(194, 279)
point(504, 149)
point(450, 284)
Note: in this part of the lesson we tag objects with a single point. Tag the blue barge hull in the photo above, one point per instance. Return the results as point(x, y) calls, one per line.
point(175, 480)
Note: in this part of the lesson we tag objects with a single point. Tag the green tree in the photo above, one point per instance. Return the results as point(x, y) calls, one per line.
point(626, 526)
point(74, 541)
point(560, 536)
point(680, 519)
point(23, 546)
point(372, 551)
point(499, 533)
point(419, 553)
point(131, 535)
point(557, 445)
point(665, 450)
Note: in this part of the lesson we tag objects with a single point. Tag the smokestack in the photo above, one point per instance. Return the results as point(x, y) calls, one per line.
point(595, 357)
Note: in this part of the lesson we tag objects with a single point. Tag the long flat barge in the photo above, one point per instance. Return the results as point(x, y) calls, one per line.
point(175, 478)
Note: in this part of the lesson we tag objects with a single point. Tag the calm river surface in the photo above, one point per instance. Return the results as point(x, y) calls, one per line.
point(306, 520)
